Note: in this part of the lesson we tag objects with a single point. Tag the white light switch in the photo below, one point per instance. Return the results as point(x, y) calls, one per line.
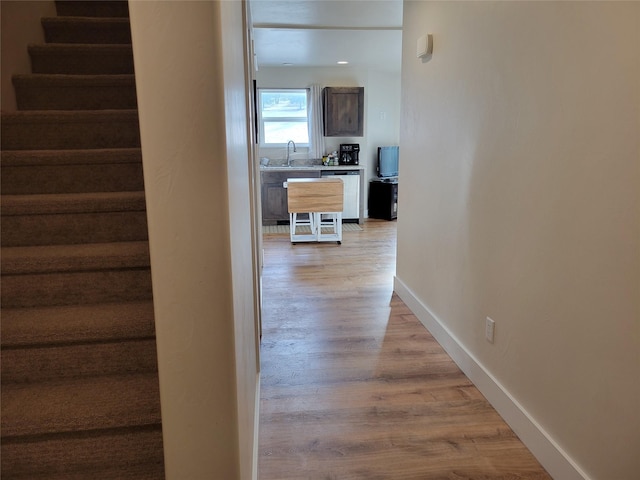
point(490, 328)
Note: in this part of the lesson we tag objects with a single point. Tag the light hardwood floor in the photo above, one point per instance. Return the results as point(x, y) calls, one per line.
point(354, 387)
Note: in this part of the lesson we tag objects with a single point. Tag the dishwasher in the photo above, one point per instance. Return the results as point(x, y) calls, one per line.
point(351, 180)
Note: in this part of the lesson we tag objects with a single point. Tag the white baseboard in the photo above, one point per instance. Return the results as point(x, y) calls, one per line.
point(256, 430)
point(555, 460)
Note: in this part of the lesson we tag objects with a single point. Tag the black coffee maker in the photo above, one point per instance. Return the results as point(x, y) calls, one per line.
point(349, 153)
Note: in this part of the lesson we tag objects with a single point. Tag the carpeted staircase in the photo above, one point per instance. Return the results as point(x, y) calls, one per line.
point(80, 397)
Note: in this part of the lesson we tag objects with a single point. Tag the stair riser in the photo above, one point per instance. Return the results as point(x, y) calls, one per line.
point(75, 98)
point(44, 135)
point(59, 362)
point(121, 472)
point(37, 179)
point(80, 405)
point(82, 62)
point(76, 288)
point(90, 452)
point(61, 229)
point(92, 9)
point(57, 31)
point(104, 323)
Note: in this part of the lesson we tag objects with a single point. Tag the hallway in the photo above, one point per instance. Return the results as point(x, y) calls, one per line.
point(352, 384)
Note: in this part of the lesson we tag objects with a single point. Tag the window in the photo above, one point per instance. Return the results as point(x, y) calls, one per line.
point(283, 116)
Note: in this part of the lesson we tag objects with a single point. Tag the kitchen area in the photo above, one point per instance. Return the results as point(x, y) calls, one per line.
point(343, 165)
point(350, 155)
point(274, 193)
point(347, 57)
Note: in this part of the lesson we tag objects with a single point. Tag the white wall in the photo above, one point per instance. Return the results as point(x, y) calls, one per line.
point(520, 201)
point(382, 113)
point(381, 109)
point(242, 229)
point(20, 27)
point(190, 83)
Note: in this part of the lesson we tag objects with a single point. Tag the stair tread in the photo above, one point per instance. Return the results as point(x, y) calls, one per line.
point(61, 91)
point(82, 58)
point(69, 116)
point(76, 323)
point(90, 48)
point(22, 158)
point(80, 404)
point(90, 20)
point(93, 8)
point(71, 287)
point(44, 363)
point(144, 471)
point(60, 79)
point(75, 258)
point(82, 29)
point(70, 129)
point(85, 454)
point(59, 203)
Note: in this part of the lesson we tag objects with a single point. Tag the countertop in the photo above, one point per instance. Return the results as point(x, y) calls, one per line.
point(284, 168)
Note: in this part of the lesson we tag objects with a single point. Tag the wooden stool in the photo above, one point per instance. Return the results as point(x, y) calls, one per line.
point(322, 199)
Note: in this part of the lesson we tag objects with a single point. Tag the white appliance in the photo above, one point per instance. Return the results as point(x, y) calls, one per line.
point(351, 180)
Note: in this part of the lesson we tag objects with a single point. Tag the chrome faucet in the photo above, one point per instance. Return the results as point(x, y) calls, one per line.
point(288, 154)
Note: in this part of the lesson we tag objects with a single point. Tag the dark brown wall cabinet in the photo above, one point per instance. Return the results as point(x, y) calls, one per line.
point(343, 111)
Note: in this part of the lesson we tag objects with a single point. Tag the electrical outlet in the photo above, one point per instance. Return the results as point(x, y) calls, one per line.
point(489, 330)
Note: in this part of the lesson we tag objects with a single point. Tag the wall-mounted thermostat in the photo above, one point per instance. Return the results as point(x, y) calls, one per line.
point(425, 45)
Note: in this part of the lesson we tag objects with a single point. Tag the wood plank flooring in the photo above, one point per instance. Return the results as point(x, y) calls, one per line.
point(354, 387)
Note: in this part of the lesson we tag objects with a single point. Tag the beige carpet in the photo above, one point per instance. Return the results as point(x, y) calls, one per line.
point(80, 391)
point(284, 229)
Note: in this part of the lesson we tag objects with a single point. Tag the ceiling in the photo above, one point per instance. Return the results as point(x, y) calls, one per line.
point(319, 33)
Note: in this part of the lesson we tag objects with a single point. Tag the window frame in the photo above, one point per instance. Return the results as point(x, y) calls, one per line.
point(261, 120)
